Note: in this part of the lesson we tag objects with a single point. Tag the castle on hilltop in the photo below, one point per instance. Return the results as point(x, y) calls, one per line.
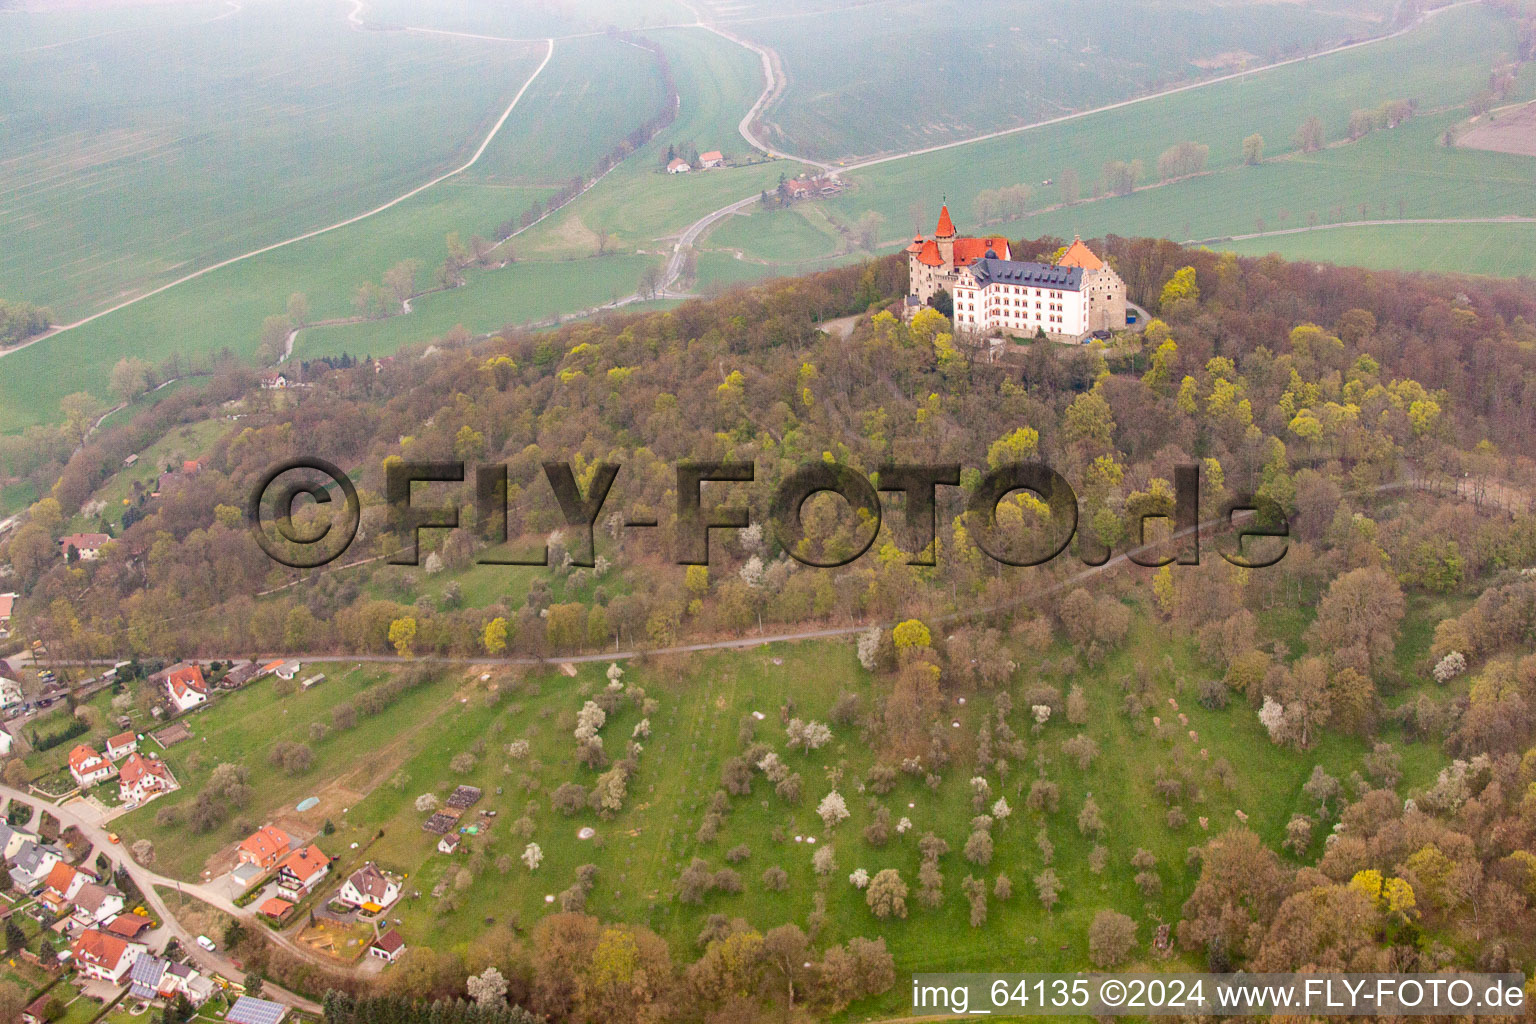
point(993, 293)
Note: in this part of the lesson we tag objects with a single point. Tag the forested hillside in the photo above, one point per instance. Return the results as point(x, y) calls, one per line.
point(1384, 657)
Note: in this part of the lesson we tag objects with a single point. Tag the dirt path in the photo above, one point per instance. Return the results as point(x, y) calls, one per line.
point(490, 136)
point(1506, 219)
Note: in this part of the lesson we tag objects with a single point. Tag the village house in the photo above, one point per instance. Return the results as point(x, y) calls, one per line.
point(186, 687)
point(142, 778)
point(95, 903)
point(61, 885)
point(1067, 300)
point(154, 977)
point(302, 870)
point(89, 767)
point(677, 165)
point(264, 847)
point(86, 546)
point(369, 889)
point(449, 843)
point(11, 693)
point(273, 380)
point(121, 745)
point(128, 926)
point(33, 862)
point(7, 605)
point(387, 947)
point(714, 158)
point(105, 957)
point(239, 675)
point(12, 838)
point(282, 669)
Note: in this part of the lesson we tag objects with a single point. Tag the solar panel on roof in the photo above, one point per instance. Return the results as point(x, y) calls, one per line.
point(249, 1010)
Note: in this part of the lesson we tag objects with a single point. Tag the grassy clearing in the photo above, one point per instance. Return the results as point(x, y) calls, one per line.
point(1273, 104)
point(1503, 250)
point(525, 19)
point(242, 728)
point(1023, 62)
point(519, 293)
point(134, 164)
point(791, 235)
point(134, 483)
point(377, 771)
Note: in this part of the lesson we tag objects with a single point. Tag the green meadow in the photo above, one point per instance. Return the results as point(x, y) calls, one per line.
point(368, 779)
point(1004, 63)
point(129, 166)
point(1503, 250)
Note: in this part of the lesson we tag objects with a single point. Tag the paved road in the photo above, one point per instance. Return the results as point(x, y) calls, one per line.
point(147, 880)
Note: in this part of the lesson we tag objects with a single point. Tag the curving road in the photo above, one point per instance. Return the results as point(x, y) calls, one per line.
point(147, 880)
point(490, 136)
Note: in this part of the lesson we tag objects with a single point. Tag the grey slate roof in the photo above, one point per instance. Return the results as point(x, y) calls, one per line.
point(1034, 275)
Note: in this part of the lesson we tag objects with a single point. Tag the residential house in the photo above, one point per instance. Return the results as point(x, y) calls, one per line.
point(10, 689)
point(11, 839)
point(239, 675)
point(250, 1010)
point(37, 1010)
point(387, 947)
point(89, 767)
point(154, 977)
point(272, 380)
point(281, 669)
point(128, 926)
point(369, 889)
point(302, 870)
point(86, 546)
point(714, 158)
point(96, 903)
point(275, 907)
point(7, 605)
point(449, 843)
point(33, 862)
point(677, 165)
point(105, 957)
point(62, 884)
point(143, 778)
point(121, 745)
point(264, 847)
point(186, 686)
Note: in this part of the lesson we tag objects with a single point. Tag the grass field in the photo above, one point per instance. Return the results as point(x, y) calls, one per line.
point(378, 769)
point(1504, 250)
point(801, 232)
point(1002, 63)
point(560, 17)
point(522, 165)
point(519, 293)
point(124, 487)
point(1273, 104)
point(129, 165)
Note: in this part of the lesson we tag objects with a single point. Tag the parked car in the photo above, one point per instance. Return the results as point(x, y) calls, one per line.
point(206, 943)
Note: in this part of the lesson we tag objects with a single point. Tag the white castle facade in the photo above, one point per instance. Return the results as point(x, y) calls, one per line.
point(992, 293)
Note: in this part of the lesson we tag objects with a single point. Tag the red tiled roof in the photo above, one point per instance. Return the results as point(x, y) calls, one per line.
point(274, 907)
point(127, 925)
point(389, 942)
point(1079, 255)
point(122, 739)
point(713, 154)
point(946, 228)
point(60, 877)
point(305, 862)
point(969, 250)
point(7, 604)
point(137, 766)
point(929, 255)
point(188, 677)
point(83, 541)
point(266, 842)
point(81, 754)
point(99, 948)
